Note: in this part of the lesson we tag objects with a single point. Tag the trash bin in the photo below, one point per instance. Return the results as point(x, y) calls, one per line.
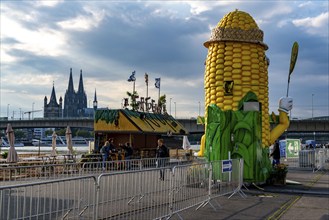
point(307, 158)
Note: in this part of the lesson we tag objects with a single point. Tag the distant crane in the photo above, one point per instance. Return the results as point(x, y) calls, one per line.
point(29, 112)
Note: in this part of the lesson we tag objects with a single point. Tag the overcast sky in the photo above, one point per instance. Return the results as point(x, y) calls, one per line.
point(42, 40)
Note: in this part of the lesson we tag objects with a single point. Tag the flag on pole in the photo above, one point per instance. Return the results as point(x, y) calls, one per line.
point(132, 77)
point(157, 83)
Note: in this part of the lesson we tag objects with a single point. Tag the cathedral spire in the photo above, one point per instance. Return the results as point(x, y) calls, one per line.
point(70, 88)
point(81, 89)
point(53, 95)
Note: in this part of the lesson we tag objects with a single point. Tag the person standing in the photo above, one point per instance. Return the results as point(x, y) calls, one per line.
point(105, 150)
point(111, 147)
point(162, 153)
point(128, 150)
point(276, 154)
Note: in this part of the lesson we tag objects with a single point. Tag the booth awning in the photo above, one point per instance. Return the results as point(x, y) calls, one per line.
point(123, 120)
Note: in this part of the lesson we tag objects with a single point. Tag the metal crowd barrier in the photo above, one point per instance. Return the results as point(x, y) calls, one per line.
point(20, 174)
point(197, 185)
point(127, 165)
point(56, 199)
point(317, 159)
point(134, 194)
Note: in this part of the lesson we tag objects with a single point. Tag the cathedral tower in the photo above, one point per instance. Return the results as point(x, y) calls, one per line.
point(75, 103)
point(52, 109)
point(81, 96)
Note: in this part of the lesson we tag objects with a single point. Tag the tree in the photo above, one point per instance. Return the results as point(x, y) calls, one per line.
point(61, 132)
point(83, 133)
point(49, 132)
point(19, 134)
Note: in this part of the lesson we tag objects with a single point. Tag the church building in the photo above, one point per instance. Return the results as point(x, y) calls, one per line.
point(75, 103)
point(52, 109)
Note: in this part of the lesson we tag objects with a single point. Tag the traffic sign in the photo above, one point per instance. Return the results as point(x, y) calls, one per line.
point(226, 166)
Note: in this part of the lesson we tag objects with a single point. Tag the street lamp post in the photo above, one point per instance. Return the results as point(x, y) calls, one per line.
point(8, 111)
point(175, 108)
point(170, 106)
point(312, 106)
point(32, 109)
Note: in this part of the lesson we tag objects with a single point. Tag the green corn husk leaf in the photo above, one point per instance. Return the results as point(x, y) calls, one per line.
point(242, 151)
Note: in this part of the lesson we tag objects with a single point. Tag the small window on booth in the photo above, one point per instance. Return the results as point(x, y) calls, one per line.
point(251, 106)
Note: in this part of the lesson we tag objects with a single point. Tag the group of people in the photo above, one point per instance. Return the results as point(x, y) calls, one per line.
point(109, 148)
point(162, 152)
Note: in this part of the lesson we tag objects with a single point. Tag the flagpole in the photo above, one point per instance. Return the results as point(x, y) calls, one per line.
point(134, 88)
point(147, 85)
point(158, 85)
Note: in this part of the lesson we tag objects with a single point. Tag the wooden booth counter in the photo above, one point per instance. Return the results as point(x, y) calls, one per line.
point(140, 129)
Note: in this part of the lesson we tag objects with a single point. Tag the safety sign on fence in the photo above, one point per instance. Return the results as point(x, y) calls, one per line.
point(226, 166)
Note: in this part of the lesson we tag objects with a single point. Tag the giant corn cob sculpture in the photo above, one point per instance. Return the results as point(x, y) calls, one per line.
point(235, 73)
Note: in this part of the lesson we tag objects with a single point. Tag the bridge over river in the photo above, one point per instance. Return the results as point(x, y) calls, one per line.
point(190, 124)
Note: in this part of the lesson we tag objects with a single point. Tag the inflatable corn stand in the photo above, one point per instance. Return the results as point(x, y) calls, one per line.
point(236, 97)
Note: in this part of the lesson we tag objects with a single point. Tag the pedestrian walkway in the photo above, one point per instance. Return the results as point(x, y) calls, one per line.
point(305, 196)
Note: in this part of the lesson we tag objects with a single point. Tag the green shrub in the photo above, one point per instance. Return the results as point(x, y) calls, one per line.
point(4, 155)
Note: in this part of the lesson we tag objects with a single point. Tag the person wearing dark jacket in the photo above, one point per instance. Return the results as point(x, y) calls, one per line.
point(162, 153)
point(276, 154)
point(105, 150)
point(128, 154)
point(128, 151)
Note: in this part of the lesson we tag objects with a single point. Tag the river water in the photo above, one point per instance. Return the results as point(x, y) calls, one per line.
point(47, 149)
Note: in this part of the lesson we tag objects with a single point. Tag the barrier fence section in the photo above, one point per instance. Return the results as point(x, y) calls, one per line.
point(197, 185)
point(134, 194)
point(55, 199)
point(20, 174)
point(126, 165)
point(226, 180)
point(317, 159)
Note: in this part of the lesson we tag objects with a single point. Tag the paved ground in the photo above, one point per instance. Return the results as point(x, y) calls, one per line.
point(307, 200)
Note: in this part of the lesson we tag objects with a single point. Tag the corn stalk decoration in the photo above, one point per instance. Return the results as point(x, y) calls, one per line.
point(133, 103)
